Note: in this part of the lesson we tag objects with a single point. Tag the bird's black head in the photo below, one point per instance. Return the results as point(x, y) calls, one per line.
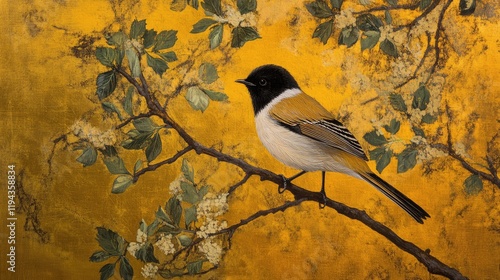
point(266, 83)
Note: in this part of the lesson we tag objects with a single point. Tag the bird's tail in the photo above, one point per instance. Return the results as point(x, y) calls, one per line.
point(400, 199)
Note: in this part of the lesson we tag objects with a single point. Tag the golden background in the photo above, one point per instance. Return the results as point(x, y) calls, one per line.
point(47, 81)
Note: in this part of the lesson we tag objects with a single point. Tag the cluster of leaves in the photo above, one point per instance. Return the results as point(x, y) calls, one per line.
point(180, 5)
point(167, 221)
point(367, 27)
point(240, 34)
point(197, 95)
point(408, 157)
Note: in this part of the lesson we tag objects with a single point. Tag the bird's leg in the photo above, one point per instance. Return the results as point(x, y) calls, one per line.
point(322, 192)
point(282, 188)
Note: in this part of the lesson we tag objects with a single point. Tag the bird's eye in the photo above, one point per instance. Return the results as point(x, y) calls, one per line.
point(263, 82)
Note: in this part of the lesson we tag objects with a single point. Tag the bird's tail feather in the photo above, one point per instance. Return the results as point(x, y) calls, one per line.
point(400, 199)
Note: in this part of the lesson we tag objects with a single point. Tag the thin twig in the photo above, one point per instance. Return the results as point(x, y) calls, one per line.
point(155, 166)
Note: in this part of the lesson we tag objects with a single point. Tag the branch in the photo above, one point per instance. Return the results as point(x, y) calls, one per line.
point(155, 166)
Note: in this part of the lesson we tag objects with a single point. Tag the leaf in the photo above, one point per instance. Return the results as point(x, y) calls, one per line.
point(162, 216)
point(88, 157)
point(324, 31)
point(387, 17)
point(127, 102)
point(117, 39)
point(137, 142)
point(106, 84)
point(107, 271)
point(397, 102)
point(190, 215)
point(367, 22)
point(190, 194)
point(154, 148)
point(336, 3)
point(407, 159)
point(105, 55)
point(115, 165)
point(382, 157)
point(158, 64)
point(149, 38)
point(389, 48)
point(197, 98)
point(319, 9)
point(365, 2)
point(146, 254)
point(208, 73)
point(164, 40)
point(144, 124)
point(111, 108)
point(392, 2)
point(246, 6)
point(375, 139)
point(369, 40)
point(467, 7)
point(122, 183)
point(203, 191)
point(178, 5)
point(110, 241)
point(348, 36)
point(187, 170)
point(137, 166)
point(194, 267)
point(193, 3)
point(241, 35)
point(212, 7)
point(99, 256)
point(215, 95)
point(473, 184)
point(424, 4)
point(428, 118)
point(185, 240)
point(203, 25)
point(137, 29)
point(418, 131)
point(168, 56)
point(393, 126)
point(215, 36)
point(174, 210)
point(126, 270)
point(133, 62)
point(421, 98)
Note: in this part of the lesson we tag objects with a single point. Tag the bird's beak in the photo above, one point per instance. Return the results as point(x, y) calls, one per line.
point(245, 82)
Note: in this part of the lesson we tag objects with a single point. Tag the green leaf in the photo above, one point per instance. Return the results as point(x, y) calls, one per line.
point(190, 194)
point(208, 73)
point(105, 55)
point(215, 36)
point(203, 191)
point(407, 159)
point(106, 84)
point(193, 3)
point(146, 254)
point(375, 139)
point(115, 165)
point(424, 4)
point(197, 98)
point(178, 5)
point(367, 22)
point(389, 48)
point(421, 98)
point(392, 2)
point(168, 56)
point(134, 62)
point(144, 124)
point(111, 108)
point(467, 7)
point(418, 131)
point(387, 17)
point(428, 118)
point(324, 31)
point(319, 9)
point(203, 25)
point(185, 240)
point(137, 166)
point(127, 102)
point(158, 64)
point(187, 170)
point(215, 95)
point(398, 102)
point(241, 35)
point(107, 271)
point(111, 242)
point(190, 215)
point(382, 157)
point(336, 3)
point(117, 39)
point(212, 7)
point(194, 267)
point(174, 210)
point(473, 184)
point(149, 38)
point(393, 126)
point(137, 142)
point(99, 256)
point(122, 183)
point(369, 40)
point(246, 6)
point(164, 40)
point(162, 216)
point(88, 157)
point(126, 270)
point(137, 29)
point(349, 36)
point(154, 148)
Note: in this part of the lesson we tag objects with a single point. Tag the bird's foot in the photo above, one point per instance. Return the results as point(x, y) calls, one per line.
point(282, 187)
point(322, 204)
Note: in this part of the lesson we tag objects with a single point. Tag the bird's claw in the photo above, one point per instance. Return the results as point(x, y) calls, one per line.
point(323, 203)
point(282, 187)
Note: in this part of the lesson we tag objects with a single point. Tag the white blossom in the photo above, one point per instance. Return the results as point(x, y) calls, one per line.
point(210, 226)
point(141, 236)
point(212, 206)
point(345, 18)
point(94, 135)
point(133, 247)
point(175, 187)
point(212, 250)
point(165, 244)
point(234, 18)
point(149, 271)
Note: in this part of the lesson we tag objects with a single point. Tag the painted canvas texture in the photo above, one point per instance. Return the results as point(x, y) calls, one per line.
point(130, 152)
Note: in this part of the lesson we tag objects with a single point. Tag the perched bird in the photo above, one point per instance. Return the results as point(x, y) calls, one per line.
point(301, 133)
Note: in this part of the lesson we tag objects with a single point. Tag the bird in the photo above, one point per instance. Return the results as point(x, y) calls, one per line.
point(299, 132)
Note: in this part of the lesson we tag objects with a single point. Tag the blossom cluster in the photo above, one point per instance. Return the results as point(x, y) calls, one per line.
point(98, 138)
point(165, 244)
point(234, 18)
point(211, 249)
point(345, 18)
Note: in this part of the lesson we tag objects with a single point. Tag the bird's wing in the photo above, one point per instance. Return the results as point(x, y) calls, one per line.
point(314, 121)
